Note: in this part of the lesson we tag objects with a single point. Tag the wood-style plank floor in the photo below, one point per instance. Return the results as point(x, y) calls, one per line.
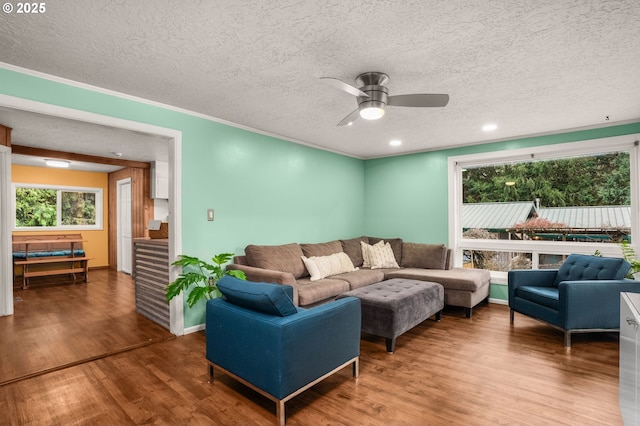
point(58, 322)
point(478, 371)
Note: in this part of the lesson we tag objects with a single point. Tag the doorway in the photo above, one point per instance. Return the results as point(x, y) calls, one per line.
point(174, 140)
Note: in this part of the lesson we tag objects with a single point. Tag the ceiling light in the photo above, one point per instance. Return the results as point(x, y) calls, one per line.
point(371, 110)
point(395, 142)
point(489, 127)
point(57, 163)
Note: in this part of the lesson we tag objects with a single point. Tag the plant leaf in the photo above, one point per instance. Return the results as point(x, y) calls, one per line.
point(198, 293)
point(221, 259)
point(185, 260)
point(237, 273)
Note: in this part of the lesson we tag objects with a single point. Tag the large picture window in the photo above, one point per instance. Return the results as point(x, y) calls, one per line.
point(529, 208)
point(59, 207)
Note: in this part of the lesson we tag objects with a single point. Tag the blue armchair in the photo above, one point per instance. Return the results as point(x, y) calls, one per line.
point(582, 296)
point(256, 335)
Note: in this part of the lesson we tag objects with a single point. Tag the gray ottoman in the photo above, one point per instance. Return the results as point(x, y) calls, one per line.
point(389, 308)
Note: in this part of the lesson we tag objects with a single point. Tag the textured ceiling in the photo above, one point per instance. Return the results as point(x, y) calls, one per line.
point(42, 131)
point(528, 66)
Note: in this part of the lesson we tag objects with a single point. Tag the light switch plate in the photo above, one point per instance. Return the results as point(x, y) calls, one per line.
point(210, 215)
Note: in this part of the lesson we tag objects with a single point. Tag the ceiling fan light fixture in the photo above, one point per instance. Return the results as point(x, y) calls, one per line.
point(371, 110)
point(63, 164)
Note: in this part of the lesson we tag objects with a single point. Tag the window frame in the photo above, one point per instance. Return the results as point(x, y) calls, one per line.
point(59, 189)
point(456, 164)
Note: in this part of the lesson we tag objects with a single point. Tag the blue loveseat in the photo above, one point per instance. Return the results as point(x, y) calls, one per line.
point(582, 296)
point(256, 335)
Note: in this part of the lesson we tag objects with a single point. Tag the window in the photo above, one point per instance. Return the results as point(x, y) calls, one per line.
point(529, 208)
point(47, 207)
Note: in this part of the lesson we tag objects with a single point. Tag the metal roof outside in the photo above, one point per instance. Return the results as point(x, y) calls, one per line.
point(495, 215)
point(590, 217)
point(498, 216)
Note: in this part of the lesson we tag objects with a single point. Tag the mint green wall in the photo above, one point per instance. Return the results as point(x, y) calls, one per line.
point(264, 190)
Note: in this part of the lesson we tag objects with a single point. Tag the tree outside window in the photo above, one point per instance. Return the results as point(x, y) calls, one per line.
point(60, 207)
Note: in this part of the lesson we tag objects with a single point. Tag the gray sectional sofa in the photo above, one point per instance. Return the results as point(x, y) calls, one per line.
point(284, 264)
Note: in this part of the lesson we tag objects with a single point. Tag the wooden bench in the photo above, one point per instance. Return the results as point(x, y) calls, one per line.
point(62, 251)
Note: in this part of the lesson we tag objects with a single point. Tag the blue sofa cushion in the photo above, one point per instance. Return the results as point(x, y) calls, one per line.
point(579, 267)
point(545, 296)
point(22, 255)
point(271, 299)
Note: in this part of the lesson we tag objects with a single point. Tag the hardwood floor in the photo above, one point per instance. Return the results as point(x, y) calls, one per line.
point(478, 371)
point(59, 323)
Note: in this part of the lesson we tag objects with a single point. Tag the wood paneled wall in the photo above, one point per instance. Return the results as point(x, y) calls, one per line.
point(5, 135)
point(142, 207)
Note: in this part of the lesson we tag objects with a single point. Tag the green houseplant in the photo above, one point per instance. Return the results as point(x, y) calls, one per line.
point(630, 256)
point(203, 275)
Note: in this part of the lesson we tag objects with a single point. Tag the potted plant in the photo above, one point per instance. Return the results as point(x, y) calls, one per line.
point(203, 275)
point(630, 256)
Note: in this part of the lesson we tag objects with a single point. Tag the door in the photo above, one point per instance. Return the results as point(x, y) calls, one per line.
point(6, 216)
point(124, 235)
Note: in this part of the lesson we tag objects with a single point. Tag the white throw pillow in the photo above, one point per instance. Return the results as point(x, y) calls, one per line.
point(366, 263)
point(346, 265)
point(320, 267)
point(382, 257)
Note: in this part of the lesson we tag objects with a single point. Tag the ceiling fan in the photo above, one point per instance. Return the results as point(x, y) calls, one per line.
point(373, 97)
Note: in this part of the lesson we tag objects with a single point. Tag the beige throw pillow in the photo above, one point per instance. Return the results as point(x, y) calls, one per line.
point(320, 267)
point(381, 256)
point(366, 262)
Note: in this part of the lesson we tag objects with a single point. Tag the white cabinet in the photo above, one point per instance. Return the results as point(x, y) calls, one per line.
point(160, 179)
point(629, 352)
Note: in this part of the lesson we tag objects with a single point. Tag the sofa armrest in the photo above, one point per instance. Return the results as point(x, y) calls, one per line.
point(593, 303)
point(282, 354)
point(268, 276)
point(536, 277)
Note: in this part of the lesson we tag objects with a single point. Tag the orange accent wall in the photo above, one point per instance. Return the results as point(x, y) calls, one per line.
point(97, 242)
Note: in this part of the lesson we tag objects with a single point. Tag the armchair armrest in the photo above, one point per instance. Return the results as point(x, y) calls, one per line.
point(593, 303)
point(536, 277)
point(282, 354)
point(268, 276)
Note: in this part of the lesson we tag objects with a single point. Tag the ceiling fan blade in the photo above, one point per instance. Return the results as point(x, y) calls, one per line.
point(419, 100)
point(349, 119)
point(341, 85)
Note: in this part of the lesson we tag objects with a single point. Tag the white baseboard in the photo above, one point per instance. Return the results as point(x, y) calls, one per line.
point(498, 301)
point(194, 329)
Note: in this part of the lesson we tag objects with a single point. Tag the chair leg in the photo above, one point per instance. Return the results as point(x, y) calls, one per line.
point(356, 367)
point(439, 315)
point(280, 413)
point(511, 315)
point(468, 312)
point(210, 373)
point(567, 339)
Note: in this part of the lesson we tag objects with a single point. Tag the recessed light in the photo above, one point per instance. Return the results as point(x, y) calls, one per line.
point(57, 163)
point(395, 142)
point(490, 127)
